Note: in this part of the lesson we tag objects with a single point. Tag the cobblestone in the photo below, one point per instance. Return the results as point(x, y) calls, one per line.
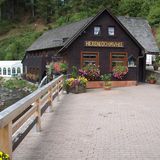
point(121, 124)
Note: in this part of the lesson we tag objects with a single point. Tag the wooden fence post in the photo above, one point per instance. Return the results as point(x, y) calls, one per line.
point(50, 100)
point(58, 88)
point(38, 114)
point(6, 139)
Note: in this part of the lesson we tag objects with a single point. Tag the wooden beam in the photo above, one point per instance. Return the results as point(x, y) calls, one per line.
point(38, 115)
point(6, 140)
point(23, 119)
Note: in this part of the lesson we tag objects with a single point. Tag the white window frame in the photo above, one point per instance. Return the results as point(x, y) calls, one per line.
point(111, 31)
point(97, 30)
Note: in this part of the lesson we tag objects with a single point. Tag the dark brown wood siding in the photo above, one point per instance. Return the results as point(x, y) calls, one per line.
point(104, 21)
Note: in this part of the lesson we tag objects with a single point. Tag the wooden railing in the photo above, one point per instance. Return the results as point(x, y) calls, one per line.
point(25, 114)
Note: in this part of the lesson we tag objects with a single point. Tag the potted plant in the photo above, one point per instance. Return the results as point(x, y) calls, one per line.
point(75, 85)
point(107, 81)
point(119, 71)
point(152, 79)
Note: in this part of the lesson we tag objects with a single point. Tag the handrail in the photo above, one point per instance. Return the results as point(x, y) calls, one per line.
point(13, 117)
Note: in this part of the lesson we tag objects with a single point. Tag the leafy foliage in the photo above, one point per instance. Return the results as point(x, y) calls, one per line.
point(154, 14)
point(15, 83)
point(13, 48)
point(59, 12)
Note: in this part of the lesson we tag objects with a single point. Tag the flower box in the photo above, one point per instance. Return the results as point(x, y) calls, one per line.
point(94, 84)
point(78, 89)
point(100, 84)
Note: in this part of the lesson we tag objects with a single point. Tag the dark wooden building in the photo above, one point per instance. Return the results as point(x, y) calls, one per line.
point(105, 40)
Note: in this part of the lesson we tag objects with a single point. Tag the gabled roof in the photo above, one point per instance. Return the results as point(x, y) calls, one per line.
point(57, 37)
point(141, 31)
point(62, 37)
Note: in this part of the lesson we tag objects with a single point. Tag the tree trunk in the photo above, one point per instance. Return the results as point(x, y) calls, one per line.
point(33, 7)
point(0, 12)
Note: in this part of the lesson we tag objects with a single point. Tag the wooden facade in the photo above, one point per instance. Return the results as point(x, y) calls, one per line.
point(103, 49)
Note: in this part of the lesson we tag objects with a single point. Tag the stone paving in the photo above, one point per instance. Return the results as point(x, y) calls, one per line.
point(121, 124)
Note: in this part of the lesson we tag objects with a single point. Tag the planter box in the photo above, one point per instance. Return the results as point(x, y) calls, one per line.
point(100, 84)
point(95, 84)
point(78, 89)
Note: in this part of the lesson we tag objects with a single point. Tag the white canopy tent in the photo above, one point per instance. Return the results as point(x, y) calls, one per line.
point(10, 68)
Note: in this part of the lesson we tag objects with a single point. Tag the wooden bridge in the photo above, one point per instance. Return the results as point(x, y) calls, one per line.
point(26, 113)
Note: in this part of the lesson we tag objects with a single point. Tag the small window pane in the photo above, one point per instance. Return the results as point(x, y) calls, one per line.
point(4, 71)
point(18, 70)
point(97, 30)
point(89, 55)
point(111, 31)
point(131, 62)
point(9, 71)
point(89, 62)
point(122, 55)
point(13, 70)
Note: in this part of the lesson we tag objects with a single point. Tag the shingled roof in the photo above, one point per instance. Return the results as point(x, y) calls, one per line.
point(59, 37)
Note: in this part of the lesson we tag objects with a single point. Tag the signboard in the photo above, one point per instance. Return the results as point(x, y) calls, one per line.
point(104, 44)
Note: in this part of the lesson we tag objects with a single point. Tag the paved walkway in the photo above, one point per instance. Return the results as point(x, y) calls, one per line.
point(121, 124)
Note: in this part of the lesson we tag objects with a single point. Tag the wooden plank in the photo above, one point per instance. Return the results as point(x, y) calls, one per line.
point(20, 115)
point(20, 137)
point(44, 99)
point(6, 139)
point(50, 100)
point(43, 109)
point(54, 88)
point(23, 119)
point(38, 115)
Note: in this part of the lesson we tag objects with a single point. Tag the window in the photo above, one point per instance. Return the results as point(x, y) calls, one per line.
point(4, 71)
point(18, 70)
point(0, 71)
point(111, 31)
point(97, 30)
point(13, 71)
point(9, 71)
point(131, 61)
point(89, 57)
point(118, 58)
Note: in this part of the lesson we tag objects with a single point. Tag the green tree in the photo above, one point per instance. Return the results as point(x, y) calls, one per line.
point(130, 7)
point(154, 14)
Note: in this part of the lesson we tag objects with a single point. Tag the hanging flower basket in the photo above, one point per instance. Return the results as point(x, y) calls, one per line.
point(120, 71)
